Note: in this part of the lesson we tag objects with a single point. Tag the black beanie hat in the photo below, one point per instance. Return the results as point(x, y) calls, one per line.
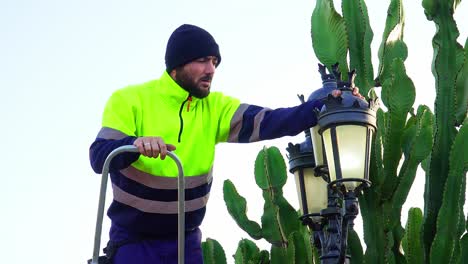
point(188, 43)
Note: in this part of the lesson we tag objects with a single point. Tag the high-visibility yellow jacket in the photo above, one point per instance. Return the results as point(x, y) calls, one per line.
point(145, 189)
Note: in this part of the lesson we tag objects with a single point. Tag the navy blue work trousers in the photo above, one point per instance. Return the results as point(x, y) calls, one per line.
point(161, 251)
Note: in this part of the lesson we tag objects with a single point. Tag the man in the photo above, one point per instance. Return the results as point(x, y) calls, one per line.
point(179, 113)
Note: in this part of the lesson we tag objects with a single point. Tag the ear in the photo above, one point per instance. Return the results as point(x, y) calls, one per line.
point(173, 73)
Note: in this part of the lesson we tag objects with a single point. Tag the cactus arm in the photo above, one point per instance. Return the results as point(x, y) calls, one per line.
point(247, 252)
point(392, 45)
point(279, 255)
point(462, 88)
point(359, 39)
point(417, 140)
point(412, 240)
point(444, 69)
point(389, 257)
point(329, 38)
point(430, 8)
point(374, 235)
point(288, 216)
point(463, 248)
point(270, 176)
point(355, 248)
point(213, 252)
point(270, 169)
point(271, 227)
point(237, 208)
point(297, 251)
point(376, 168)
point(316, 256)
point(456, 253)
point(448, 221)
point(409, 134)
point(280, 219)
point(369, 202)
point(398, 94)
point(461, 224)
point(264, 257)
point(398, 233)
point(311, 252)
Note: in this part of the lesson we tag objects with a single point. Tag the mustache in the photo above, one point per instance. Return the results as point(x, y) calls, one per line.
point(207, 78)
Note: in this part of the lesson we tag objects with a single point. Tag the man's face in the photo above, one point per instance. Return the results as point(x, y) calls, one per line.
point(195, 77)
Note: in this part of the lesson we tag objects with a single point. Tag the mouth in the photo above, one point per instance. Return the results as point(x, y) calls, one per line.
point(206, 81)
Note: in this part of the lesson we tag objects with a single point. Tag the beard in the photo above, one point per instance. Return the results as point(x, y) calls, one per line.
point(188, 83)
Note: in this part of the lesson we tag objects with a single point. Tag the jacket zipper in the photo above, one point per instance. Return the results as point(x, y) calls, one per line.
point(189, 99)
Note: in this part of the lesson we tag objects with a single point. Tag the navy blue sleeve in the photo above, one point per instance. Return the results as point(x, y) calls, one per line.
point(101, 148)
point(289, 121)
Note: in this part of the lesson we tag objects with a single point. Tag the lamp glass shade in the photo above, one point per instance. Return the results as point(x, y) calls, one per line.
point(317, 143)
point(312, 191)
point(347, 150)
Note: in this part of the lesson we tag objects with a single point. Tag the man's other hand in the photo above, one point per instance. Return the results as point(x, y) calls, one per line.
point(337, 93)
point(153, 147)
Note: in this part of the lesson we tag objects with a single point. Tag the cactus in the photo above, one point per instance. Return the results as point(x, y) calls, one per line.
point(280, 221)
point(355, 248)
point(451, 220)
point(463, 248)
point(404, 140)
point(360, 36)
point(213, 252)
point(406, 136)
point(247, 252)
point(397, 138)
point(412, 240)
point(329, 26)
point(450, 71)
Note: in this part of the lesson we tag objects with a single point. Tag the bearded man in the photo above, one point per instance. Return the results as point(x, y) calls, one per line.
point(177, 112)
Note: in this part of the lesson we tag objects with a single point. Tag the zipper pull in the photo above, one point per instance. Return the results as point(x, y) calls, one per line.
point(188, 103)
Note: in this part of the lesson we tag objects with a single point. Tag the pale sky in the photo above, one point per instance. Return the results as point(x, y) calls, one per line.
point(61, 60)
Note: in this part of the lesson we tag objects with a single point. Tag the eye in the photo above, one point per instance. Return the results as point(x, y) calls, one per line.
point(212, 60)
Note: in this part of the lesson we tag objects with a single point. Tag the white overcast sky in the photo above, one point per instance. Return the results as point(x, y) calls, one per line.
point(60, 60)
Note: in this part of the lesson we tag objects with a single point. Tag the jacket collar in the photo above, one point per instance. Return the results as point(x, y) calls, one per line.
point(173, 92)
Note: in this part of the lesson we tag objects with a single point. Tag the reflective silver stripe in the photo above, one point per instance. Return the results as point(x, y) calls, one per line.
point(156, 207)
point(110, 133)
point(167, 183)
point(236, 123)
point(256, 126)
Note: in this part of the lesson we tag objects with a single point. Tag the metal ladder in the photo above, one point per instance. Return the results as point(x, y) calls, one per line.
point(102, 201)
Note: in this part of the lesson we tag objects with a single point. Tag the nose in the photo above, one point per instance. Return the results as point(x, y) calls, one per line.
point(210, 67)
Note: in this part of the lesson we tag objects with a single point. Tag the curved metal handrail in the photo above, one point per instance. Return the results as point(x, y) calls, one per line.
point(102, 201)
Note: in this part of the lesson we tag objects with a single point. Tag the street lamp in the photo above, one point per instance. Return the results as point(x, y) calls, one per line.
point(306, 159)
point(328, 85)
point(328, 188)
